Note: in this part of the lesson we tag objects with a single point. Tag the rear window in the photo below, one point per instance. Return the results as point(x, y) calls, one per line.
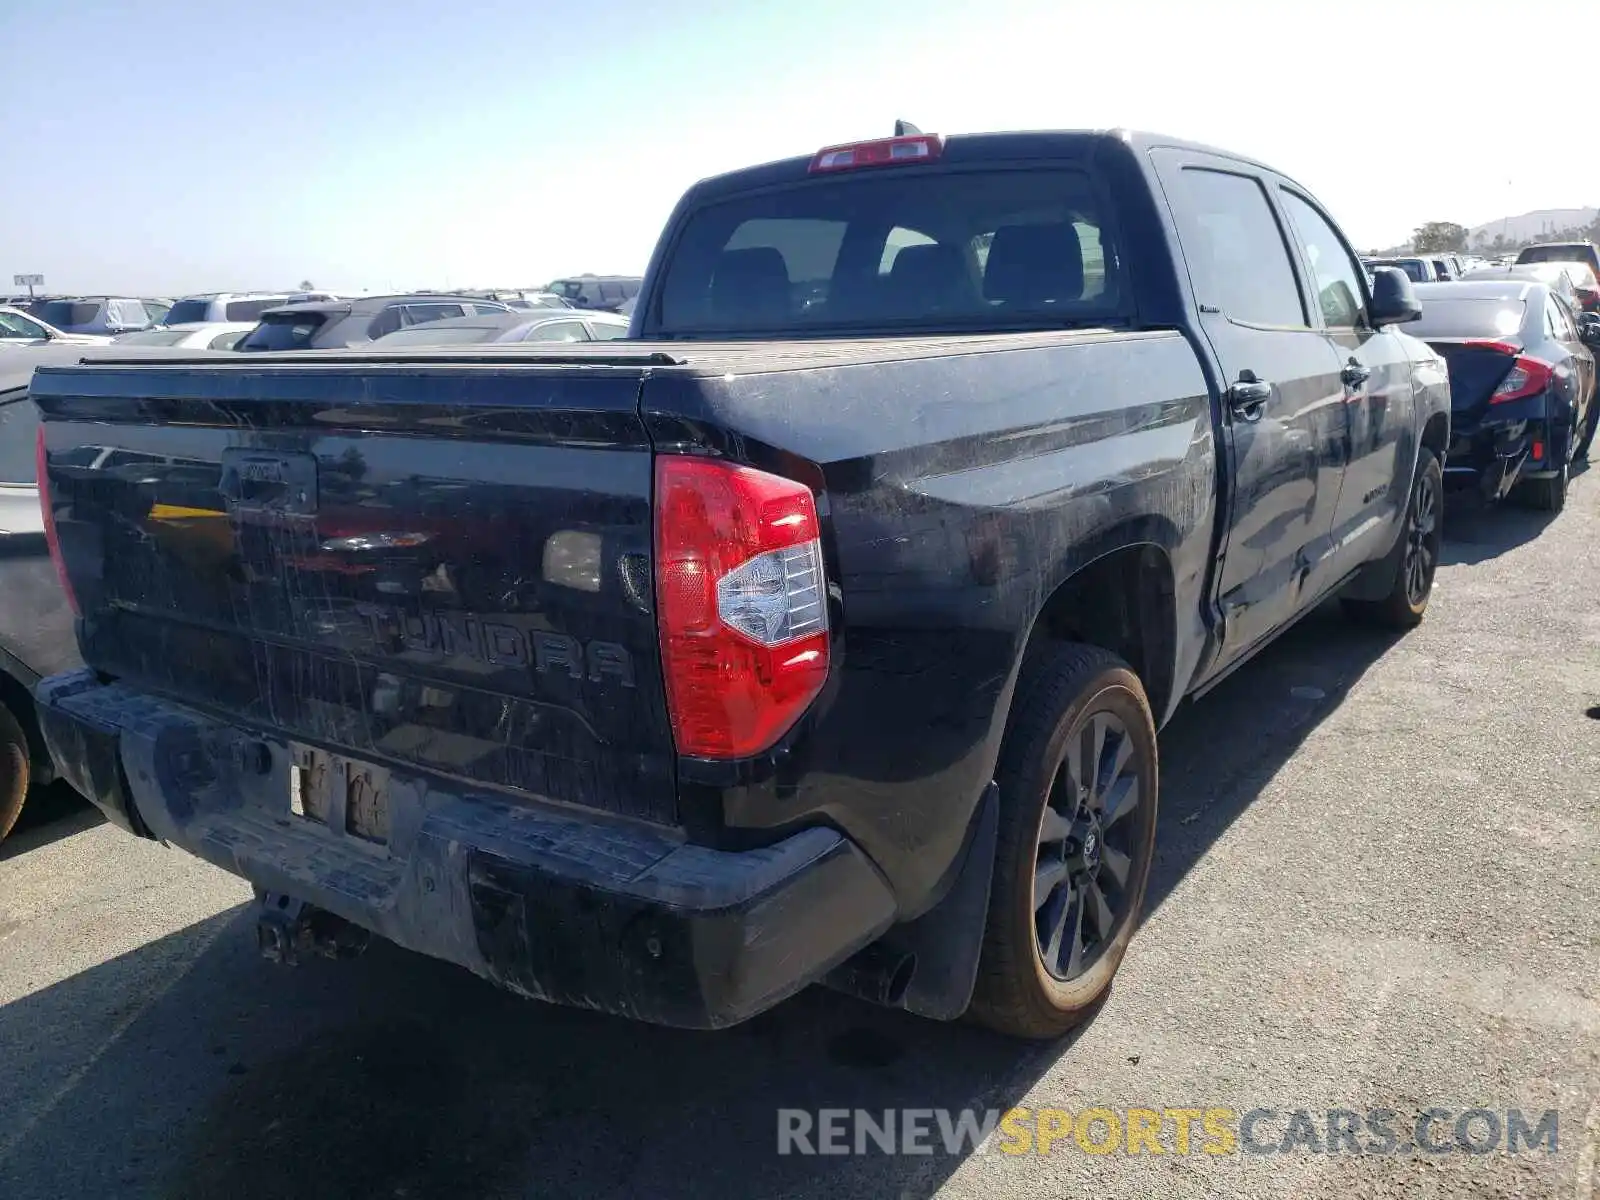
point(245, 310)
point(1539, 254)
point(186, 312)
point(1412, 267)
point(285, 331)
point(1468, 318)
point(895, 252)
point(19, 422)
point(66, 313)
point(152, 337)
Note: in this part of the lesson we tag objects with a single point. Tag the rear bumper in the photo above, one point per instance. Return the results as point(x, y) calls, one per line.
point(551, 904)
point(1495, 456)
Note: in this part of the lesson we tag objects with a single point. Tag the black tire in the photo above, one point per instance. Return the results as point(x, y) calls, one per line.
point(1421, 537)
point(1068, 691)
point(1550, 494)
point(16, 770)
point(1591, 423)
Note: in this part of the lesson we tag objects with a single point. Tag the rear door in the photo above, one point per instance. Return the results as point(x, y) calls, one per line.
point(1375, 375)
point(433, 568)
point(1575, 372)
point(1283, 400)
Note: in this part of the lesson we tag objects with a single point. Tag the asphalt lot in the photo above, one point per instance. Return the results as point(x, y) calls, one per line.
point(1378, 884)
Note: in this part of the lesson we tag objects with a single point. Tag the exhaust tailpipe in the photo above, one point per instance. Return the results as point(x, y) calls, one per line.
point(878, 974)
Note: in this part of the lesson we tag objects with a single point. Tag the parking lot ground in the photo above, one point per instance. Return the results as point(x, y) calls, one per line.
point(1378, 886)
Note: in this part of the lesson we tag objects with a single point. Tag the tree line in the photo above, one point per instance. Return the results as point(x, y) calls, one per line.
point(1443, 237)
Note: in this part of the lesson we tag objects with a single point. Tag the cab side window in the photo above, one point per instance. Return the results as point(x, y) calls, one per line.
point(1335, 273)
point(1238, 259)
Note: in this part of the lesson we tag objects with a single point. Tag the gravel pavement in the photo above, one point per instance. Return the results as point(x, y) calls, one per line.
point(1377, 887)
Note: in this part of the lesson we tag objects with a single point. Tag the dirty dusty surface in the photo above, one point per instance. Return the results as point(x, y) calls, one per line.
point(1378, 885)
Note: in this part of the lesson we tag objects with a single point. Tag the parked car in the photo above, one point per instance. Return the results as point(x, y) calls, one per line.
point(36, 634)
point(536, 300)
point(597, 291)
point(1446, 268)
point(1418, 270)
point(192, 335)
point(547, 326)
point(103, 315)
point(1522, 385)
point(1586, 253)
point(213, 307)
point(1560, 277)
point(17, 328)
point(347, 323)
point(792, 643)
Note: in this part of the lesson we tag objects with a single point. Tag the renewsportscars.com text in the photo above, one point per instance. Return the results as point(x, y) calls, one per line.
point(1177, 1131)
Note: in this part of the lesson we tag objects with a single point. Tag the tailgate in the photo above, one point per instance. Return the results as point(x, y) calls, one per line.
point(440, 566)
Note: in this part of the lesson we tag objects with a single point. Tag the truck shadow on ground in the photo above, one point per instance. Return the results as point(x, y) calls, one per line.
point(210, 1073)
point(50, 814)
point(1475, 531)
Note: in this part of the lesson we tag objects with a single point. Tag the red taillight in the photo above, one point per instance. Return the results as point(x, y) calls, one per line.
point(1528, 377)
point(41, 462)
point(741, 603)
point(920, 147)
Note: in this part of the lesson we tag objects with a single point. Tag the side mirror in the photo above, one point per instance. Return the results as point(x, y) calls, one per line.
point(1589, 329)
point(1393, 301)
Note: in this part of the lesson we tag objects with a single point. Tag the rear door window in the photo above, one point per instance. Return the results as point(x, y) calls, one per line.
point(19, 424)
point(897, 251)
point(186, 312)
point(68, 314)
point(557, 331)
point(421, 314)
point(246, 310)
point(283, 332)
point(1560, 327)
point(1238, 258)
point(15, 325)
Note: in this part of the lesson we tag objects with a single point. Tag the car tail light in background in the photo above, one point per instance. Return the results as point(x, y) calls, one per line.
point(885, 152)
point(1589, 297)
point(1528, 377)
point(742, 604)
point(48, 512)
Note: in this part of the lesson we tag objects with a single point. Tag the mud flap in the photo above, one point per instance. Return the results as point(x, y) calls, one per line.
point(945, 941)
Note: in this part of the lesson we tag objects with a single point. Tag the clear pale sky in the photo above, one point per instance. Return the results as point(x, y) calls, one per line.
point(164, 146)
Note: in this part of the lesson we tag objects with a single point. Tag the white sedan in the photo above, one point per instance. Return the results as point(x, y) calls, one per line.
point(191, 335)
point(17, 328)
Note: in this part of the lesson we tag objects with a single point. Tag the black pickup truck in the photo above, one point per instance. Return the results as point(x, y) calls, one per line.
point(820, 632)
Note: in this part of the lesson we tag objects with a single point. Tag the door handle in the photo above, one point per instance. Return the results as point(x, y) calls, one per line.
point(1355, 374)
point(1248, 395)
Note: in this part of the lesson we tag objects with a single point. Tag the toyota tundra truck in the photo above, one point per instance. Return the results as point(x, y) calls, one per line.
point(820, 631)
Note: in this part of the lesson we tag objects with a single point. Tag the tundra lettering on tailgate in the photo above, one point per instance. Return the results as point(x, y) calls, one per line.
point(498, 643)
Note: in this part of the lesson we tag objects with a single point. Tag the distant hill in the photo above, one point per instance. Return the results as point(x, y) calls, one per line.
point(1541, 225)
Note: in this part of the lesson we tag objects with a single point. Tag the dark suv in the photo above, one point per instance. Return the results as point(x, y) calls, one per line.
point(337, 324)
point(1581, 252)
point(609, 292)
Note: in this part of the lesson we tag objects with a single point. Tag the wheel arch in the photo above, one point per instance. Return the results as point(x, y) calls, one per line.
point(1120, 595)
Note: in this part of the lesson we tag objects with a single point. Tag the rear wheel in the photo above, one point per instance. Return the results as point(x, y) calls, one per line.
point(1550, 493)
point(15, 770)
point(1421, 539)
point(1078, 789)
point(1590, 424)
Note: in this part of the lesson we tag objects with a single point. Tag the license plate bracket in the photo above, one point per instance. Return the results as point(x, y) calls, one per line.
point(345, 794)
